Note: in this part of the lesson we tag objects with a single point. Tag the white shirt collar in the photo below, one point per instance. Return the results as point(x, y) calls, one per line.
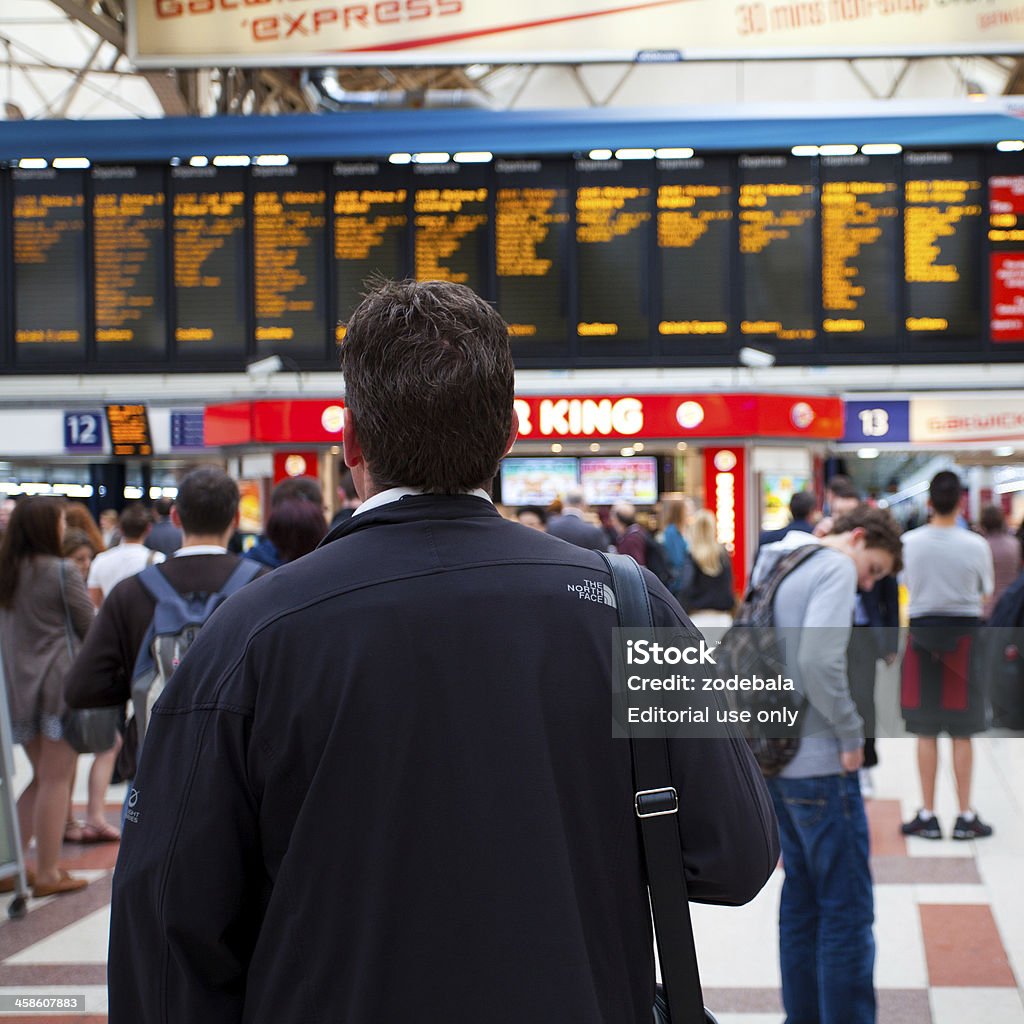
point(393, 494)
point(200, 549)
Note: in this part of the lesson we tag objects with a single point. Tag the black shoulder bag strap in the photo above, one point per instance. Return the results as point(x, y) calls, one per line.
point(657, 808)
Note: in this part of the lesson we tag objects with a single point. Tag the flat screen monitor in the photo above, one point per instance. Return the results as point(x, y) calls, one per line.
point(605, 481)
point(537, 481)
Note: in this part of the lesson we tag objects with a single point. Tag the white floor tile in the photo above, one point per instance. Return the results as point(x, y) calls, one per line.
point(899, 944)
point(990, 1005)
point(738, 947)
point(970, 894)
point(84, 942)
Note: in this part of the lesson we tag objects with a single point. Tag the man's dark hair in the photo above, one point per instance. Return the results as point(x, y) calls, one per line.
point(843, 487)
point(802, 504)
point(993, 519)
point(134, 520)
point(292, 487)
point(944, 492)
point(429, 378)
point(162, 507)
point(880, 531)
point(207, 501)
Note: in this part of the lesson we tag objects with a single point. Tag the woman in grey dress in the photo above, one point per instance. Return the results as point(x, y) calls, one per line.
point(45, 612)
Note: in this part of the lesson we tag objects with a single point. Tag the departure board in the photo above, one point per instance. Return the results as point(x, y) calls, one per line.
point(451, 237)
point(614, 210)
point(911, 256)
point(371, 231)
point(778, 210)
point(208, 233)
point(50, 266)
point(942, 233)
point(860, 239)
point(289, 227)
point(1006, 244)
point(129, 241)
point(531, 250)
point(695, 201)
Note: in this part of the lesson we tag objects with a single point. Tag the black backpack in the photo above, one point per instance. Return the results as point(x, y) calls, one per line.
point(751, 648)
point(658, 562)
point(1004, 644)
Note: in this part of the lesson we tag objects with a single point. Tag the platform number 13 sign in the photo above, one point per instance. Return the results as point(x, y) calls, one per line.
point(874, 422)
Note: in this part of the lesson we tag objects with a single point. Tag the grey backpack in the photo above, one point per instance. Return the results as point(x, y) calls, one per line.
point(177, 620)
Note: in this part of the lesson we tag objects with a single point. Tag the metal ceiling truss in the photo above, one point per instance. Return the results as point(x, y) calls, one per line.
point(241, 91)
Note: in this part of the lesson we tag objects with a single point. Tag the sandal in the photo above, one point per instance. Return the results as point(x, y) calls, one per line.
point(64, 884)
point(73, 831)
point(105, 833)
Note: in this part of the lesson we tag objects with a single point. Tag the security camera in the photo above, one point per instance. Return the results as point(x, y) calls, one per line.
point(755, 357)
point(265, 367)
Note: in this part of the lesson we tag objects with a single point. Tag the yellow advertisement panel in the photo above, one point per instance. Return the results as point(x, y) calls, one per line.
point(311, 32)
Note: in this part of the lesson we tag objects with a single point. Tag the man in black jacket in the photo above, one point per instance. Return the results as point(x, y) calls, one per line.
point(382, 786)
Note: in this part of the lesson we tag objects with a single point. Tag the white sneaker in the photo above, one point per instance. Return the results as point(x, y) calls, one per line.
point(867, 787)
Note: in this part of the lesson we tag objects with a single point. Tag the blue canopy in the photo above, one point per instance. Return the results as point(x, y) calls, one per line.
point(379, 133)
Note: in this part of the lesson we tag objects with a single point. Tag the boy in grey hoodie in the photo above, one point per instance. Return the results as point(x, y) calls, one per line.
point(827, 949)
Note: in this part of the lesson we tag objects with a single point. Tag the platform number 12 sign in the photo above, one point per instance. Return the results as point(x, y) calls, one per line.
point(83, 431)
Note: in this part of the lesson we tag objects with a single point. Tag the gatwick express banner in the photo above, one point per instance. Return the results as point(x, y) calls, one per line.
point(184, 33)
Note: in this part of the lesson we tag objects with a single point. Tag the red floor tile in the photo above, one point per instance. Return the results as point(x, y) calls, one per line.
point(963, 947)
point(884, 820)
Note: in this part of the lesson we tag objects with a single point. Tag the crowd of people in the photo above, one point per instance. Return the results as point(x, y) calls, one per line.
point(393, 674)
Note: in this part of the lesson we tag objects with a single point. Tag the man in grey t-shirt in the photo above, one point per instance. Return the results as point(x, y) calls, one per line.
point(826, 946)
point(948, 575)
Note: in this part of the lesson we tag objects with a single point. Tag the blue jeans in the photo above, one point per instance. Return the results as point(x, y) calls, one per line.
point(826, 946)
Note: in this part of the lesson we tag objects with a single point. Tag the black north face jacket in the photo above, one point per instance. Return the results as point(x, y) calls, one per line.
point(382, 787)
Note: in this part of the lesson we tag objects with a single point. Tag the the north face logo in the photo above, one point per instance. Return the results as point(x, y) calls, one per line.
point(593, 590)
point(131, 811)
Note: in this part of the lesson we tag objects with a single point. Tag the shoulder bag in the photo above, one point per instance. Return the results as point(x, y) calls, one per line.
point(678, 999)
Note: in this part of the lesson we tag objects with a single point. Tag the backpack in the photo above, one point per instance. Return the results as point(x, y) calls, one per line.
point(1005, 657)
point(751, 648)
point(177, 620)
point(658, 561)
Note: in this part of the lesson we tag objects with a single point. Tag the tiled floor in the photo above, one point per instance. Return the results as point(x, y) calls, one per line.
point(949, 915)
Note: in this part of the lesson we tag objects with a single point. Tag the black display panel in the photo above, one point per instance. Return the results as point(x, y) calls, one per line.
point(696, 222)
point(778, 225)
point(614, 214)
point(371, 230)
point(129, 248)
point(50, 266)
point(208, 234)
point(942, 232)
point(289, 228)
point(531, 252)
point(451, 229)
point(860, 245)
